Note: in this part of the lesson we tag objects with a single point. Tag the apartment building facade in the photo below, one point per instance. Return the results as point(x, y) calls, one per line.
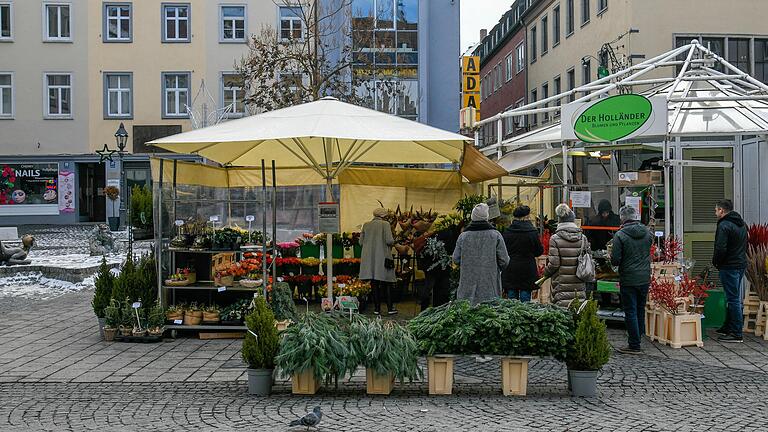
point(74, 70)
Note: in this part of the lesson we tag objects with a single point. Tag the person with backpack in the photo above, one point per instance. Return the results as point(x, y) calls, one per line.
point(567, 247)
point(630, 251)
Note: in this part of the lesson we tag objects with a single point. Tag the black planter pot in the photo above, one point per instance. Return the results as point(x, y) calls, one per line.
point(114, 223)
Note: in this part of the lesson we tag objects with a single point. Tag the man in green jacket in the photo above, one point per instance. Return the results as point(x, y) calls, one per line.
point(631, 252)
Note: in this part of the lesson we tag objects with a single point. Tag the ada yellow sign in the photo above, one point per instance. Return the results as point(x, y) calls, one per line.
point(470, 84)
point(471, 100)
point(470, 65)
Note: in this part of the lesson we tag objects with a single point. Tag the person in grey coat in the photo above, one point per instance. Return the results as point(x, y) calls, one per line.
point(482, 255)
point(377, 240)
point(564, 249)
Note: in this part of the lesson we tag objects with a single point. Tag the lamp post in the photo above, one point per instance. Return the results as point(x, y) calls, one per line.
point(121, 139)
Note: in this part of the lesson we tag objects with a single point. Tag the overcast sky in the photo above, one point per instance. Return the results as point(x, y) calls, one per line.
point(478, 14)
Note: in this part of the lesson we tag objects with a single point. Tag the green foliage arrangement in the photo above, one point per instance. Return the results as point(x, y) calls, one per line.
point(137, 280)
point(590, 350)
point(318, 342)
point(127, 315)
point(466, 204)
point(501, 327)
point(236, 311)
point(156, 316)
point(104, 281)
point(282, 302)
point(386, 347)
point(112, 314)
point(141, 207)
point(259, 351)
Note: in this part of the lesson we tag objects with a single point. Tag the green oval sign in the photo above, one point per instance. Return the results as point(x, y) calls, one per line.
point(612, 119)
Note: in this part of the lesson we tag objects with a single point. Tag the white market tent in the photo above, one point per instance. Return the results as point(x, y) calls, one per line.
point(701, 101)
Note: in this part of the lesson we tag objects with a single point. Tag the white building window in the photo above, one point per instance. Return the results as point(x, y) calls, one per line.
point(508, 63)
point(58, 92)
point(291, 25)
point(520, 57)
point(233, 23)
point(6, 95)
point(176, 94)
point(6, 18)
point(58, 22)
point(233, 93)
point(118, 95)
point(117, 23)
point(176, 23)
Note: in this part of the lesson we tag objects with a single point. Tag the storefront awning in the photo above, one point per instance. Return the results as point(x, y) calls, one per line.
point(521, 159)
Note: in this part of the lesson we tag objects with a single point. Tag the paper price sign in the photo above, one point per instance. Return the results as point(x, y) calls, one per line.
point(136, 305)
point(280, 279)
point(342, 285)
point(213, 218)
point(222, 289)
point(659, 233)
point(250, 218)
point(178, 222)
point(177, 321)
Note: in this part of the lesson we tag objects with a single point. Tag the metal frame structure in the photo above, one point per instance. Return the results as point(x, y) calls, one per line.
point(696, 86)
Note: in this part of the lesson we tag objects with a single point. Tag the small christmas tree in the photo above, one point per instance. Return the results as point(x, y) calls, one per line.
point(103, 282)
point(590, 350)
point(282, 302)
point(261, 341)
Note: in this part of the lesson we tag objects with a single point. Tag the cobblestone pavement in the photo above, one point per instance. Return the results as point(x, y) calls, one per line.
point(56, 375)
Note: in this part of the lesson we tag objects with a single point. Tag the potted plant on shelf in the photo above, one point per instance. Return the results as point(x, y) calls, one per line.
point(104, 283)
point(126, 318)
point(113, 194)
point(174, 313)
point(282, 305)
point(111, 320)
point(590, 350)
point(211, 315)
point(183, 277)
point(156, 320)
point(260, 348)
point(308, 247)
point(193, 314)
point(288, 249)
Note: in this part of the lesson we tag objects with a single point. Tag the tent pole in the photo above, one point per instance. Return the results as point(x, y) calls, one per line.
point(265, 273)
point(329, 244)
point(274, 216)
point(565, 171)
point(667, 208)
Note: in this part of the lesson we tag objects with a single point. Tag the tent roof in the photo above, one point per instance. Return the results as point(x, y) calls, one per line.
point(701, 99)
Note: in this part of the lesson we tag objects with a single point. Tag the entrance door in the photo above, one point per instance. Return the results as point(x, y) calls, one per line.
point(703, 187)
point(91, 201)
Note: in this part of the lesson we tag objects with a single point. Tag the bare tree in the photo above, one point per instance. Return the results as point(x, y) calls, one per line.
point(315, 54)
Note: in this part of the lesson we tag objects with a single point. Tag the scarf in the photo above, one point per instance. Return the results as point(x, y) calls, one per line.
point(479, 226)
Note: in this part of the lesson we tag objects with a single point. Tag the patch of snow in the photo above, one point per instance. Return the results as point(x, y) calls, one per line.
point(72, 261)
point(36, 286)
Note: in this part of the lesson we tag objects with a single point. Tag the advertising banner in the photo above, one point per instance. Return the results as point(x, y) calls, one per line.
point(615, 118)
point(29, 184)
point(66, 191)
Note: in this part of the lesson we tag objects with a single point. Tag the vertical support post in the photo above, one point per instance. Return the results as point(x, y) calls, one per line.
point(667, 203)
point(329, 244)
point(264, 260)
point(565, 171)
point(159, 235)
point(499, 138)
point(541, 209)
point(274, 217)
point(175, 194)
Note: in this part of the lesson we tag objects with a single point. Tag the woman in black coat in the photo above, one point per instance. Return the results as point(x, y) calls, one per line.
point(523, 246)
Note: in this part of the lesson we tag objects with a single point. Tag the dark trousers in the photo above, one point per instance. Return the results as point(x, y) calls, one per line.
point(378, 290)
point(437, 288)
point(523, 296)
point(633, 299)
point(734, 308)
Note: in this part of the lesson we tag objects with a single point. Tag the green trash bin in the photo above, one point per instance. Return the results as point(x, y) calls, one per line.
point(714, 309)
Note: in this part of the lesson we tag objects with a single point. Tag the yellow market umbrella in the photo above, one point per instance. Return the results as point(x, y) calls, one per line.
point(326, 135)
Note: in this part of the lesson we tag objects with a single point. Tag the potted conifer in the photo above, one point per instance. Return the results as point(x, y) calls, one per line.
point(111, 320)
point(282, 305)
point(101, 296)
point(260, 348)
point(590, 350)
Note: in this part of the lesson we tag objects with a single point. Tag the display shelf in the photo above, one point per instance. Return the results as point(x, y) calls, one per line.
point(204, 327)
point(208, 285)
point(214, 252)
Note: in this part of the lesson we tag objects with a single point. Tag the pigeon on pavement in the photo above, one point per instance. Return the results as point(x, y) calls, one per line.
point(310, 420)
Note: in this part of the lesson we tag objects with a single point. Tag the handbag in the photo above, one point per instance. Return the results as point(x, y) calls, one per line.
point(585, 269)
point(389, 263)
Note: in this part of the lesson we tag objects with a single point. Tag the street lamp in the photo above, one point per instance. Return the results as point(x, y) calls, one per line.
point(121, 139)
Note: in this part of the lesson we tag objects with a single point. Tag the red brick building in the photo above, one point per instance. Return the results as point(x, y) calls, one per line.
point(503, 81)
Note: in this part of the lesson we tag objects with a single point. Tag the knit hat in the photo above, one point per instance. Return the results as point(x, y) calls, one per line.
point(521, 211)
point(564, 213)
point(628, 213)
point(380, 212)
point(604, 206)
point(480, 213)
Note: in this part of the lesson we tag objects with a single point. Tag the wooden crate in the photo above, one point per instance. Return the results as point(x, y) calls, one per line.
point(751, 310)
point(440, 375)
point(378, 384)
point(684, 330)
point(514, 376)
point(221, 335)
point(761, 323)
point(305, 383)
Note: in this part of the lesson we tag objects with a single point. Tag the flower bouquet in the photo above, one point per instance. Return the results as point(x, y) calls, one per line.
point(288, 249)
